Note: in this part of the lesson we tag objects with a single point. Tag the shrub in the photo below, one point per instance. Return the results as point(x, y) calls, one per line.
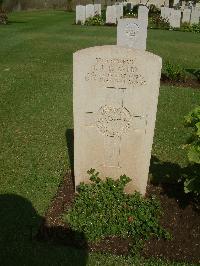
point(133, 13)
point(95, 21)
point(102, 209)
point(174, 72)
point(190, 28)
point(153, 10)
point(160, 22)
point(192, 120)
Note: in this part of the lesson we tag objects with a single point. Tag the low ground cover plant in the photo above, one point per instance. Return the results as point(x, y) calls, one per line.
point(174, 72)
point(95, 21)
point(190, 28)
point(102, 209)
point(192, 120)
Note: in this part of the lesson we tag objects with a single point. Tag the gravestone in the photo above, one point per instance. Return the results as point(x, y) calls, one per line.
point(176, 2)
point(143, 12)
point(166, 3)
point(97, 9)
point(168, 13)
point(111, 15)
point(186, 15)
point(175, 18)
point(132, 33)
point(195, 17)
point(89, 11)
point(162, 9)
point(80, 14)
point(119, 11)
point(114, 105)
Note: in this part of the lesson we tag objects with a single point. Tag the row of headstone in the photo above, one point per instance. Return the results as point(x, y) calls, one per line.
point(115, 95)
point(88, 11)
point(175, 17)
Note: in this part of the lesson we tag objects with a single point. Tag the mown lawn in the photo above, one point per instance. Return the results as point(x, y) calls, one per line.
point(36, 110)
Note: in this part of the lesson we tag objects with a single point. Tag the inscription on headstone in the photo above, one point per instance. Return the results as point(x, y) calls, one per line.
point(132, 33)
point(115, 100)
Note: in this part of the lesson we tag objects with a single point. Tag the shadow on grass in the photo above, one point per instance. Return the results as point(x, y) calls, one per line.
point(19, 243)
point(170, 177)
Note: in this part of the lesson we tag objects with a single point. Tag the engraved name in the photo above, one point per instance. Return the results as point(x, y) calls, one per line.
point(119, 72)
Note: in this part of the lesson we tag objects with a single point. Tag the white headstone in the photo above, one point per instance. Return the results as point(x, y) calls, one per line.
point(80, 14)
point(175, 18)
point(186, 15)
point(89, 11)
point(119, 11)
point(97, 9)
point(143, 12)
point(132, 33)
point(111, 15)
point(176, 2)
point(168, 13)
point(114, 104)
point(195, 15)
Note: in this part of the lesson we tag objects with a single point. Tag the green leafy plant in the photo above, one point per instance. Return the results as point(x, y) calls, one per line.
point(95, 21)
point(102, 209)
point(158, 22)
point(192, 120)
point(174, 72)
point(190, 28)
point(153, 10)
point(3, 16)
point(131, 13)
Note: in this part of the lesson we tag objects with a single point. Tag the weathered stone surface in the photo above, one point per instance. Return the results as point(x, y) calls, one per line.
point(119, 11)
point(97, 9)
point(80, 14)
point(143, 12)
point(132, 33)
point(111, 15)
point(175, 18)
point(186, 15)
point(195, 16)
point(89, 11)
point(115, 98)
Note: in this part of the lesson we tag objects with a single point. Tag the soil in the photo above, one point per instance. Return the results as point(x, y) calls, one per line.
point(180, 217)
point(189, 83)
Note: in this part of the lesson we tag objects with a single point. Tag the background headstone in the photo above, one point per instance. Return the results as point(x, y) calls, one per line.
point(89, 11)
point(114, 104)
point(175, 18)
point(97, 9)
point(111, 15)
point(119, 11)
point(195, 17)
point(80, 14)
point(186, 15)
point(143, 12)
point(132, 33)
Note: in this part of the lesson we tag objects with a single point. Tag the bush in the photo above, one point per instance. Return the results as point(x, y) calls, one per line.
point(102, 209)
point(193, 121)
point(95, 21)
point(153, 10)
point(159, 22)
point(133, 13)
point(174, 72)
point(190, 28)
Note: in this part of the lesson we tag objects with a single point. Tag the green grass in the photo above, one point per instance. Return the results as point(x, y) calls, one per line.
point(36, 110)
